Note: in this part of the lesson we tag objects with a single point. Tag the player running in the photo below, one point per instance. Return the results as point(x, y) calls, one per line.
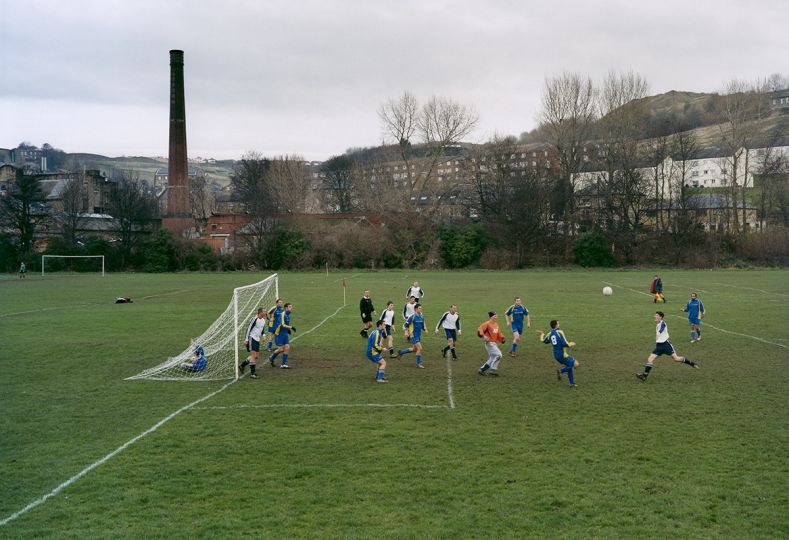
point(414, 326)
point(450, 322)
point(491, 334)
point(515, 314)
point(408, 312)
point(416, 291)
point(695, 311)
point(387, 317)
point(560, 345)
point(663, 346)
point(375, 345)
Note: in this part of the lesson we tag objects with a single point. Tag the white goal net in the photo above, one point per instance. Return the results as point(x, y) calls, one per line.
point(71, 263)
point(222, 343)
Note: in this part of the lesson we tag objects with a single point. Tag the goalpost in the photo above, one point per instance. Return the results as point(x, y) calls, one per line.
point(223, 341)
point(45, 257)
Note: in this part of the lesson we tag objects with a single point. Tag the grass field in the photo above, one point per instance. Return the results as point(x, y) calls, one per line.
point(322, 451)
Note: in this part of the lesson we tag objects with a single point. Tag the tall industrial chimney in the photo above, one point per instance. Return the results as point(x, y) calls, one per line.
point(178, 179)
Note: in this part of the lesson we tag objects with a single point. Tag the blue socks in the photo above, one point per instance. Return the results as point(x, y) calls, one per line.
point(418, 359)
point(514, 346)
point(692, 335)
point(379, 374)
point(284, 359)
point(405, 351)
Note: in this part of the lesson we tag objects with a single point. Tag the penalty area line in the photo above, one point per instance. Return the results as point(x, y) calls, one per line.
point(130, 442)
point(756, 338)
point(109, 456)
point(322, 406)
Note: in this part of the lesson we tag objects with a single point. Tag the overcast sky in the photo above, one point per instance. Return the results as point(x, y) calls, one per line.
point(307, 77)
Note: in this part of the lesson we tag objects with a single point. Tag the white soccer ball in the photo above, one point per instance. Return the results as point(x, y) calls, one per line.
point(607, 291)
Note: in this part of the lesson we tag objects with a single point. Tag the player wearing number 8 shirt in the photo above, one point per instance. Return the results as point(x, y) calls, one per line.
point(558, 340)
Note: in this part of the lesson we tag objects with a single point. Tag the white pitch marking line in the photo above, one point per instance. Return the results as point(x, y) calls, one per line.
point(165, 294)
point(109, 456)
point(449, 384)
point(706, 323)
point(84, 305)
point(130, 442)
point(750, 289)
point(323, 406)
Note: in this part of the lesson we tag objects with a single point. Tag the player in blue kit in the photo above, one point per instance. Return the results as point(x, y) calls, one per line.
point(662, 346)
point(515, 315)
point(282, 330)
point(558, 340)
point(272, 315)
point(375, 345)
point(695, 311)
point(199, 361)
point(414, 326)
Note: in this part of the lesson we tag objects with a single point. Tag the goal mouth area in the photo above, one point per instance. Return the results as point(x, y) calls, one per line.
point(214, 355)
point(53, 263)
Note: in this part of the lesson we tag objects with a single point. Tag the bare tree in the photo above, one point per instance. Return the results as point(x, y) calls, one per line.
point(566, 118)
point(511, 200)
point(622, 184)
point(341, 179)
point(439, 124)
point(133, 208)
point(200, 197)
point(288, 184)
point(744, 105)
point(74, 199)
point(20, 209)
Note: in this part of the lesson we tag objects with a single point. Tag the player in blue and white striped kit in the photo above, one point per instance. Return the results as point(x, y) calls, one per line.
point(662, 346)
point(414, 326)
point(515, 315)
point(695, 311)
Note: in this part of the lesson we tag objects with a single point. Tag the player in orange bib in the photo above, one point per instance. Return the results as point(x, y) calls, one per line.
point(490, 332)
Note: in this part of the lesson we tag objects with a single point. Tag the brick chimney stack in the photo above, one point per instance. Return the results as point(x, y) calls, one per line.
point(178, 179)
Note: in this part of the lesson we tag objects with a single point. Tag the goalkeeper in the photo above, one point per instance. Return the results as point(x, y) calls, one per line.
point(199, 361)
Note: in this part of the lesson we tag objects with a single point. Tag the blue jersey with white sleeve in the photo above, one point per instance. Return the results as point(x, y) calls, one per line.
point(415, 324)
point(515, 314)
point(694, 309)
point(559, 342)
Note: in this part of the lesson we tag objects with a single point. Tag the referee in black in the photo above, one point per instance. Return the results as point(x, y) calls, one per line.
point(366, 310)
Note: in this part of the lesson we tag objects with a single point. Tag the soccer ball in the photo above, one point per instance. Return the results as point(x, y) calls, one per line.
point(607, 291)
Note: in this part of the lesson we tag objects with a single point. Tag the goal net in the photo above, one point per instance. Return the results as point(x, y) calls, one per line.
point(72, 263)
point(222, 343)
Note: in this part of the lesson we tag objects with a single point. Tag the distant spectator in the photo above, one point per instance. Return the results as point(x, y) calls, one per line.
point(22, 270)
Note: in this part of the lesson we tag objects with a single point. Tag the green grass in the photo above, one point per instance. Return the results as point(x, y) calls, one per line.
point(689, 454)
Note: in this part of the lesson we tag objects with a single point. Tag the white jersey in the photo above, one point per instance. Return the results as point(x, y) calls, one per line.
point(408, 310)
point(449, 321)
point(256, 328)
point(388, 317)
point(661, 332)
point(416, 292)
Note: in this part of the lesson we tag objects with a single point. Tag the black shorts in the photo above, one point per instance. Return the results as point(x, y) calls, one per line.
point(367, 317)
point(387, 330)
point(663, 348)
point(451, 333)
